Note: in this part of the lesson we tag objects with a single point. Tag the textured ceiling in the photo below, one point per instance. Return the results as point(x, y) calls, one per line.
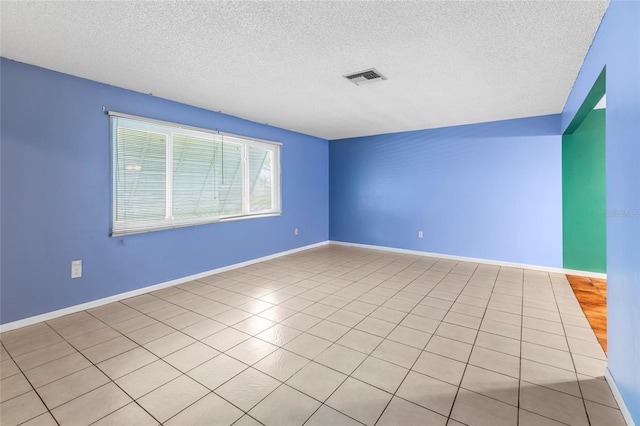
point(447, 63)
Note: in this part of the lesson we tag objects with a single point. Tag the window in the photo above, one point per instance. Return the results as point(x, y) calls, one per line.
point(167, 176)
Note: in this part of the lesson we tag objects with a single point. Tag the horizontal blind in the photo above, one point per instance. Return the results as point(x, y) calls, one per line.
point(167, 176)
point(195, 176)
point(140, 184)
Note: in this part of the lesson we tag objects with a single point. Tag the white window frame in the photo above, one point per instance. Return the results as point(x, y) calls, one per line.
point(120, 228)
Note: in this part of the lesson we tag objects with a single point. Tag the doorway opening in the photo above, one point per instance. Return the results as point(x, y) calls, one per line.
point(584, 205)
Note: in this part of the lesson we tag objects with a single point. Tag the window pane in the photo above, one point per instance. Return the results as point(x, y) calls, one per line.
point(195, 176)
point(260, 179)
point(230, 179)
point(140, 175)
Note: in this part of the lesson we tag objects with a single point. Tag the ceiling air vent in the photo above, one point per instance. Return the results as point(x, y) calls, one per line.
point(365, 77)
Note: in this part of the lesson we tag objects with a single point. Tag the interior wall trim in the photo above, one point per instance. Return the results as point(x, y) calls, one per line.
point(618, 397)
point(121, 296)
point(477, 260)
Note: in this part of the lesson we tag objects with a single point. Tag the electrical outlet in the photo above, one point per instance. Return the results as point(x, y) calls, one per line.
point(295, 231)
point(420, 234)
point(76, 268)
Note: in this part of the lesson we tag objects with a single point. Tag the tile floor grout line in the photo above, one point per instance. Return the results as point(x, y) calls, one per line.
point(353, 287)
point(33, 388)
point(455, 398)
point(584, 403)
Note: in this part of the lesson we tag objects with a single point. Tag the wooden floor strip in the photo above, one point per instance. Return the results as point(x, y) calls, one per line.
point(592, 295)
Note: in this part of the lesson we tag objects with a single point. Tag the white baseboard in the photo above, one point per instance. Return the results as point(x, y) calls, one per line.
point(618, 397)
point(476, 260)
point(121, 296)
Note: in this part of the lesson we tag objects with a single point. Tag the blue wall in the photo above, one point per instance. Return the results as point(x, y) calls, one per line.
point(55, 176)
point(617, 46)
point(490, 191)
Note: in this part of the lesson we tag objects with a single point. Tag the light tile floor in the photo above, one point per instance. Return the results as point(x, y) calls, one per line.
point(329, 336)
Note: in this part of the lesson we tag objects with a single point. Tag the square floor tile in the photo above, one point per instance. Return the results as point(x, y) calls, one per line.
point(144, 380)
point(127, 362)
point(457, 332)
point(172, 397)
point(380, 374)
point(92, 338)
point(527, 418)
point(495, 361)
point(226, 339)
point(317, 381)
point(251, 350)
point(284, 406)
point(589, 366)
point(360, 341)
point(130, 414)
point(416, 338)
point(401, 412)
point(21, 408)
point(132, 324)
point(301, 321)
point(246, 420)
point(426, 325)
point(169, 344)
point(45, 419)
point(603, 415)
point(449, 348)
point(546, 355)
point(254, 325)
point(247, 388)
point(209, 410)
point(428, 392)
point(501, 329)
point(232, 316)
point(463, 320)
point(376, 326)
point(91, 406)
point(13, 386)
point(553, 404)
point(71, 386)
point(279, 334)
point(109, 349)
point(359, 400)
point(8, 368)
point(307, 345)
point(255, 306)
point(551, 377)
point(150, 333)
point(396, 353)
point(597, 390)
point(191, 356)
point(389, 315)
point(328, 416)
point(346, 318)
point(216, 371)
point(277, 313)
point(281, 364)
point(342, 359)
point(42, 356)
point(54, 370)
point(440, 367)
point(203, 329)
point(328, 330)
point(319, 310)
point(491, 384)
point(498, 343)
point(475, 409)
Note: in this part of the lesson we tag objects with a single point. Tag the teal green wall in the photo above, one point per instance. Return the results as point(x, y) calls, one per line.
point(584, 195)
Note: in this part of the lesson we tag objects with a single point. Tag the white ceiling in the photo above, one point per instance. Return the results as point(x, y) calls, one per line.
point(447, 63)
